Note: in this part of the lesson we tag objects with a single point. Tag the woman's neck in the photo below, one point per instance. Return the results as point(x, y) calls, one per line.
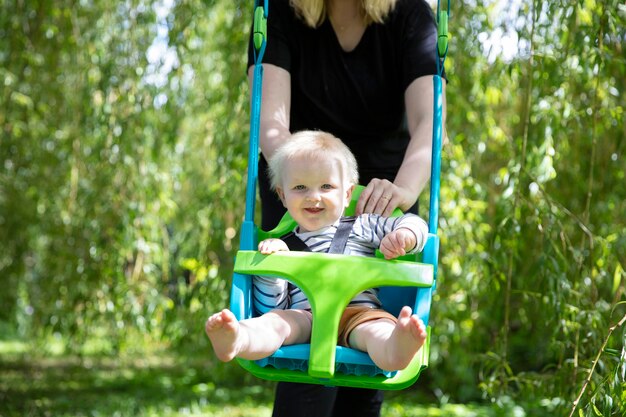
point(344, 13)
point(347, 20)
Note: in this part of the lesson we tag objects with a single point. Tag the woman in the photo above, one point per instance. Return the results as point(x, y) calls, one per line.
point(361, 70)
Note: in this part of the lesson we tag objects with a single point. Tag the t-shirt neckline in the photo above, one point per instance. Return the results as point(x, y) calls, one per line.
point(330, 28)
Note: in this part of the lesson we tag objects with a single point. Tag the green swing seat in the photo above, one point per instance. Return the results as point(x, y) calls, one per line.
point(330, 281)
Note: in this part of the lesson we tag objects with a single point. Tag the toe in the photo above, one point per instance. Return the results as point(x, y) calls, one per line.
point(405, 313)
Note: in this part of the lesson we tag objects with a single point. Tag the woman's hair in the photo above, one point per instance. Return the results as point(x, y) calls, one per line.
point(314, 12)
point(314, 145)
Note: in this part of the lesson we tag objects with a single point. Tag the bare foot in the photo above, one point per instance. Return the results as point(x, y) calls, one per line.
point(223, 330)
point(404, 342)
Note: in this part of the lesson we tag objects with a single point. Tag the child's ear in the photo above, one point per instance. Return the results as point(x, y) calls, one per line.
point(349, 194)
point(281, 195)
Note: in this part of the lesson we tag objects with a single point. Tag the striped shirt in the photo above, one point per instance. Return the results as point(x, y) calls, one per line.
point(367, 232)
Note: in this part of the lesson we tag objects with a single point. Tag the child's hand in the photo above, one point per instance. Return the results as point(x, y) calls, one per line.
point(397, 243)
point(268, 246)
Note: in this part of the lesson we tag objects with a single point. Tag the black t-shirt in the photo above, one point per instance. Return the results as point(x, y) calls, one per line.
point(359, 95)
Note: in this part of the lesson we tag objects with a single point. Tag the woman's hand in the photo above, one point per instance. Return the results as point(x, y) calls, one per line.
point(269, 246)
point(383, 197)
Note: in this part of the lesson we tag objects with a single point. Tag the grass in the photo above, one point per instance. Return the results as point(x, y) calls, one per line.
point(107, 387)
point(156, 385)
point(163, 385)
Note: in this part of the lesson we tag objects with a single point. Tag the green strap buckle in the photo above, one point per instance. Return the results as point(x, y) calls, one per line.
point(260, 27)
point(442, 38)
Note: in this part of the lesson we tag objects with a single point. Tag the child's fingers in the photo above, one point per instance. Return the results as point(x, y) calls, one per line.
point(269, 246)
point(399, 247)
point(263, 247)
point(385, 248)
point(398, 242)
point(390, 247)
point(403, 241)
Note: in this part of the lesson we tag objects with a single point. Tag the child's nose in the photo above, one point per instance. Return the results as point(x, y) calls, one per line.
point(313, 195)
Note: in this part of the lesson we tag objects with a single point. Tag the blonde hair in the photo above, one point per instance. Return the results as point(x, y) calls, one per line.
point(312, 144)
point(314, 12)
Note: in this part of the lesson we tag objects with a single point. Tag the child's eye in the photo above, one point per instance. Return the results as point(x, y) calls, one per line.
point(327, 187)
point(299, 187)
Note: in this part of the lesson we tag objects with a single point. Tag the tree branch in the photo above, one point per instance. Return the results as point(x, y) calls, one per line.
point(595, 362)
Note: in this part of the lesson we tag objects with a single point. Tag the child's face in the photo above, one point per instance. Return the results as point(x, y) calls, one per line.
point(315, 192)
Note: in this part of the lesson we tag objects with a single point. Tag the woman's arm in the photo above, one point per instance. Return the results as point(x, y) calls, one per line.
point(275, 109)
point(383, 196)
point(414, 172)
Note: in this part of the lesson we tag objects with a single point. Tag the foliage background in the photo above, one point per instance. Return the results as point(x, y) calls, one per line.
point(122, 167)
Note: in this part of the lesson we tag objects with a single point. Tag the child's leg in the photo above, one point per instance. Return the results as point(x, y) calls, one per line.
point(390, 345)
point(258, 337)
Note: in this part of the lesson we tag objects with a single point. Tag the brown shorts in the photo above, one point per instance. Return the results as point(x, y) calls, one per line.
point(353, 316)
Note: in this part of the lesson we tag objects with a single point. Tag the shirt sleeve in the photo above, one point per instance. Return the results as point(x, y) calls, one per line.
point(279, 26)
point(419, 40)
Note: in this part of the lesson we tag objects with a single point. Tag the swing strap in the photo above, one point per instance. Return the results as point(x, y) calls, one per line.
point(337, 245)
point(295, 243)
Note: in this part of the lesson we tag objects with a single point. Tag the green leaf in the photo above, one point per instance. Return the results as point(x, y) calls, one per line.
point(22, 99)
point(617, 277)
point(595, 410)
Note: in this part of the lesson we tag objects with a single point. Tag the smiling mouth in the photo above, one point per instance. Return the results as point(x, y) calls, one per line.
point(313, 210)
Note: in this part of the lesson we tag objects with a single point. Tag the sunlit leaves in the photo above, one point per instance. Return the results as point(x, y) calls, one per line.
point(538, 138)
